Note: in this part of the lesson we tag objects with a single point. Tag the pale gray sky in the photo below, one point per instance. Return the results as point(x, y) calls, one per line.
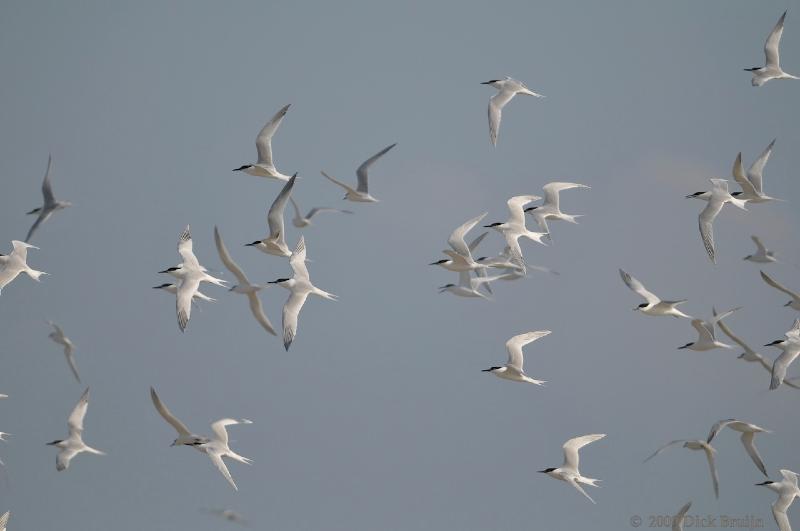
point(379, 417)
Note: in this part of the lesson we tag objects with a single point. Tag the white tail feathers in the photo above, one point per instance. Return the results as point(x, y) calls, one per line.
point(35, 274)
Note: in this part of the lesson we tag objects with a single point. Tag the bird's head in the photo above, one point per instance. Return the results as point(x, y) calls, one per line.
point(253, 244)
point(440, 262)
point(687, 345)
point(775, 343)
point(55, 442)
point(242, 168)
point(696, 194)
point(170, 269)
point(547, 470)
point(491, 369)
point(641, 307)
point(280, 281)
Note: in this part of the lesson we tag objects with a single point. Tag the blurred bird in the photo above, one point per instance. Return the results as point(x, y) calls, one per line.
point(762, 255)
point(677, 520)
point(361, 194)
point(58, 337)
point(244, 286)
point(506, 90)
point(696, 445)
point(300, 221)
point(51, 204)
point(794, 303)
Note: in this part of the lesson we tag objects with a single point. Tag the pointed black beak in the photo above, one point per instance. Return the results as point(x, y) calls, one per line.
point(273, 282)
point(763, 483)
point(776, 342)
point(165, 271)
point(542, 471)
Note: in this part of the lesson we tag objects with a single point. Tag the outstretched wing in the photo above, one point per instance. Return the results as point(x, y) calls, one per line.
point(264, 138)
point(361, 172)
point(298, 259)
point(496, 104)
point(572, 446)
point(185, 249)
point(225, 256)
point(456, 239)
point(167, 415)
point(515, 344)
point(75, 420)
point(275, 214)
point(772, 46)
point(756, 171)
point(638, 287)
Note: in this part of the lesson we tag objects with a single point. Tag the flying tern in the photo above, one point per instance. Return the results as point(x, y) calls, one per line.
point(790, 348)
point(73, 445)
point(265, 167)
point(512, 370)
point(300, 221)
point(244, 286)
point(751, 355)
point(748, 432)
point(514, 228)
point(706, 338)
point(794, 303)
point(719, 196)
point(50, 205)
point(275, 242)
point(215, 447)
point(569, 470)
point(173, 288)
point(57, 335)
point(654, 305)
point(191, 274)
point(16, 263)
point(506, 89)
point(772, 69)
point(300, 287)
point(550, 208)
point(229, 515)
point(468, 286)
point(361, 194)
point(762, 254)
point(787, 491)
point(709, 451)
point(460, 253)
point(677, 520)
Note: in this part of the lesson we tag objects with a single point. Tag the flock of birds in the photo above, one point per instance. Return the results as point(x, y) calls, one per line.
point(475, 276)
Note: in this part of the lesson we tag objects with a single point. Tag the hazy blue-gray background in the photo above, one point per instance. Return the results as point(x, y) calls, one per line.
point(379, 417)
